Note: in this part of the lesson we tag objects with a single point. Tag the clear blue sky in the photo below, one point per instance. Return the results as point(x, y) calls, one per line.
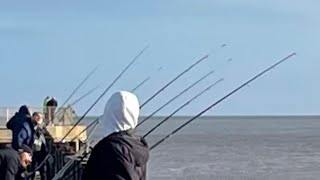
point(47, 48)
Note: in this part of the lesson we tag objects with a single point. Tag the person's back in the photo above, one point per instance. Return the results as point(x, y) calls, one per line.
point(23, 134)
point(13, 163)
point(22, 128)
point(9, 164)
point(51, 107)
point(18, 118)
point(121, 155)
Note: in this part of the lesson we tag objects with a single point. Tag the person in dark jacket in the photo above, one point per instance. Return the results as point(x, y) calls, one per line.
point(19, 117)
point(22, 128)
point(121, 155)
point(12, 162)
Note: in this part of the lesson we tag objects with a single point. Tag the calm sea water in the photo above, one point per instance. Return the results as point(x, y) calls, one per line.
point(235, 148)
point(286, 148)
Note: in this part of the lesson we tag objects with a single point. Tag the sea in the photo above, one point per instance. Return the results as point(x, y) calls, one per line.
point(233, 147)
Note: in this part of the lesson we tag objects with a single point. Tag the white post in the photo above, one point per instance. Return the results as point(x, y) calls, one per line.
point(7, 114)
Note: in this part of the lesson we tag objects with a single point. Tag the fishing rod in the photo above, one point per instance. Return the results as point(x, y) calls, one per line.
point(95, 122)
point(168, 118)
point(105, 91)
point(79, 99)
point(70, 174)
point(180, 75)
point(97, 119)
point(62, 171)
point(69, 163)
point(184, 105)
point(222, 99)
point(143, 82)
point(185, 90)
point(200, 60)
point(162, 121)
point(177, 77)
point(28, 174)
point(93, 130)
point(81, 151)
point(76, 89)
point(85, 95)
point(175, 97)
point(79, 86)
point(140, 84)
point(90, 133)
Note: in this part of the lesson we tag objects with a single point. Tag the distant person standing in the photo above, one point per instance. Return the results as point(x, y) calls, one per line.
point(51, 107)
point(13, 163)
point(121, 155)
point(45, 108)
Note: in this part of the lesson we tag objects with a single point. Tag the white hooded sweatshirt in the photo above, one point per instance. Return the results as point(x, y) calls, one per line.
point(121, 155)
point(121, 112)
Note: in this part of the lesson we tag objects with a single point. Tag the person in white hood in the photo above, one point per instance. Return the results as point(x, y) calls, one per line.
point(121, 155)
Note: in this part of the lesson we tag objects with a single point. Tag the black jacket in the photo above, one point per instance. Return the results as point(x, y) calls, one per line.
point(41, 151)
point(10, 165)
point(119, 156)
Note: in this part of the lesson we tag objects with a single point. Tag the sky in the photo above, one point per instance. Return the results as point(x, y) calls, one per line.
point(47, 49)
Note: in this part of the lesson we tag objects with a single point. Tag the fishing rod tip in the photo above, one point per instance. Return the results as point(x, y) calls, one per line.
point(212, 51)
point(147, 46)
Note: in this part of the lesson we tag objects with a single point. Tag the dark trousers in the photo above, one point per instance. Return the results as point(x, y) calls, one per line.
point(37, 159)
